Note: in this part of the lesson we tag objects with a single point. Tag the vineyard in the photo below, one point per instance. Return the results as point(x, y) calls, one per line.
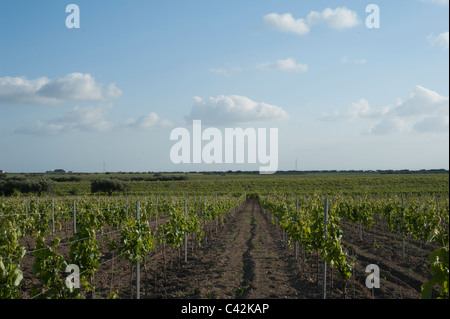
point(272, 241)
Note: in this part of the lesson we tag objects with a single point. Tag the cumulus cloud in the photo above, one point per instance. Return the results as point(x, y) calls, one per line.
point(286, 23)
point(283, 65)
point(113, 92)
point(356, 111)
point(233, 109)
point(436, 124)
point(149, 121)
point(362, 109)
point(440, 2)
point(339, 19)
point(423, 101)
point(439, 40)
point(388, 126)
point(425, 111)
point(73, 86)
point(89, 119)
point(22, 90)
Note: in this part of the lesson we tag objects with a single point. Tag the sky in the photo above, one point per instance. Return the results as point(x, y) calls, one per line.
point(343, 92)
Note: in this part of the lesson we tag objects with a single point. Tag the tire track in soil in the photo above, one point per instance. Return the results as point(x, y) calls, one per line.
point(245, 259)
point(270, 271)
point(399, 277)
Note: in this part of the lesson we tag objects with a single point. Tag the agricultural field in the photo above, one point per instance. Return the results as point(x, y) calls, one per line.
point(227, 236)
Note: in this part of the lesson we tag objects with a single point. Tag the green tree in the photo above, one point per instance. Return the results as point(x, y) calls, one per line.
point(109, 186)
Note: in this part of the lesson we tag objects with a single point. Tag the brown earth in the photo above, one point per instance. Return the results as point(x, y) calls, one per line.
point(246, 257)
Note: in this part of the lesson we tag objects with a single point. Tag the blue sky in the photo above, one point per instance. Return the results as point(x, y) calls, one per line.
point(342, 96)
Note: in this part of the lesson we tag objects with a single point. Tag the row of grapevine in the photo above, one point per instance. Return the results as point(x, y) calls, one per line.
point(314, 227)
point(426, 220)
point(40, 220)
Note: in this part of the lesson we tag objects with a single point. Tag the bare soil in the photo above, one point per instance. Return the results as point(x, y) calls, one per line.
point(248, 257)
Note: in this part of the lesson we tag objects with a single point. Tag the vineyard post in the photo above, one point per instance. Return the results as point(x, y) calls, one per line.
point(138, 286)
point(156, 213)
point(324, 281)
point(359, 216)
point(205, 226)
point(296, 242)
point(403, 232)
point(185, 234)
point(53, 218)
point(215, 207)
point(74, 217)
point(282, 228)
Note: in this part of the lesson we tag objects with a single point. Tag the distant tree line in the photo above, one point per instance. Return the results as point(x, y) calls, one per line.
point(12, 186)
point(159, 178)
point(155, 178)
point(123, 185)
point(387, 171)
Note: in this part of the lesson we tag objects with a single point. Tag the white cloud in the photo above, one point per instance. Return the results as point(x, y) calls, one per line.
point(423, 101)
point(149, 121)
point(440, 40)
point(73, 86)
point(388, 126)
point(233, 109)
point(225, 71)
point(113, 92)
point(440, 2)
point(286, 23)
point(425, 111)
point(356, 111)
point(22, 90)
point(41, 128)
point(90, 119)
point(339, 18)
point(435, 124)
point(283, 65)
point(362, 109)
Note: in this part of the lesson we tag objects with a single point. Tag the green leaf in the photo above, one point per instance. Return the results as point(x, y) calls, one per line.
point(426, 289)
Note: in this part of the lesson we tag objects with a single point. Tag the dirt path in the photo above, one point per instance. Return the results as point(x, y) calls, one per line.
point(245, 259)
